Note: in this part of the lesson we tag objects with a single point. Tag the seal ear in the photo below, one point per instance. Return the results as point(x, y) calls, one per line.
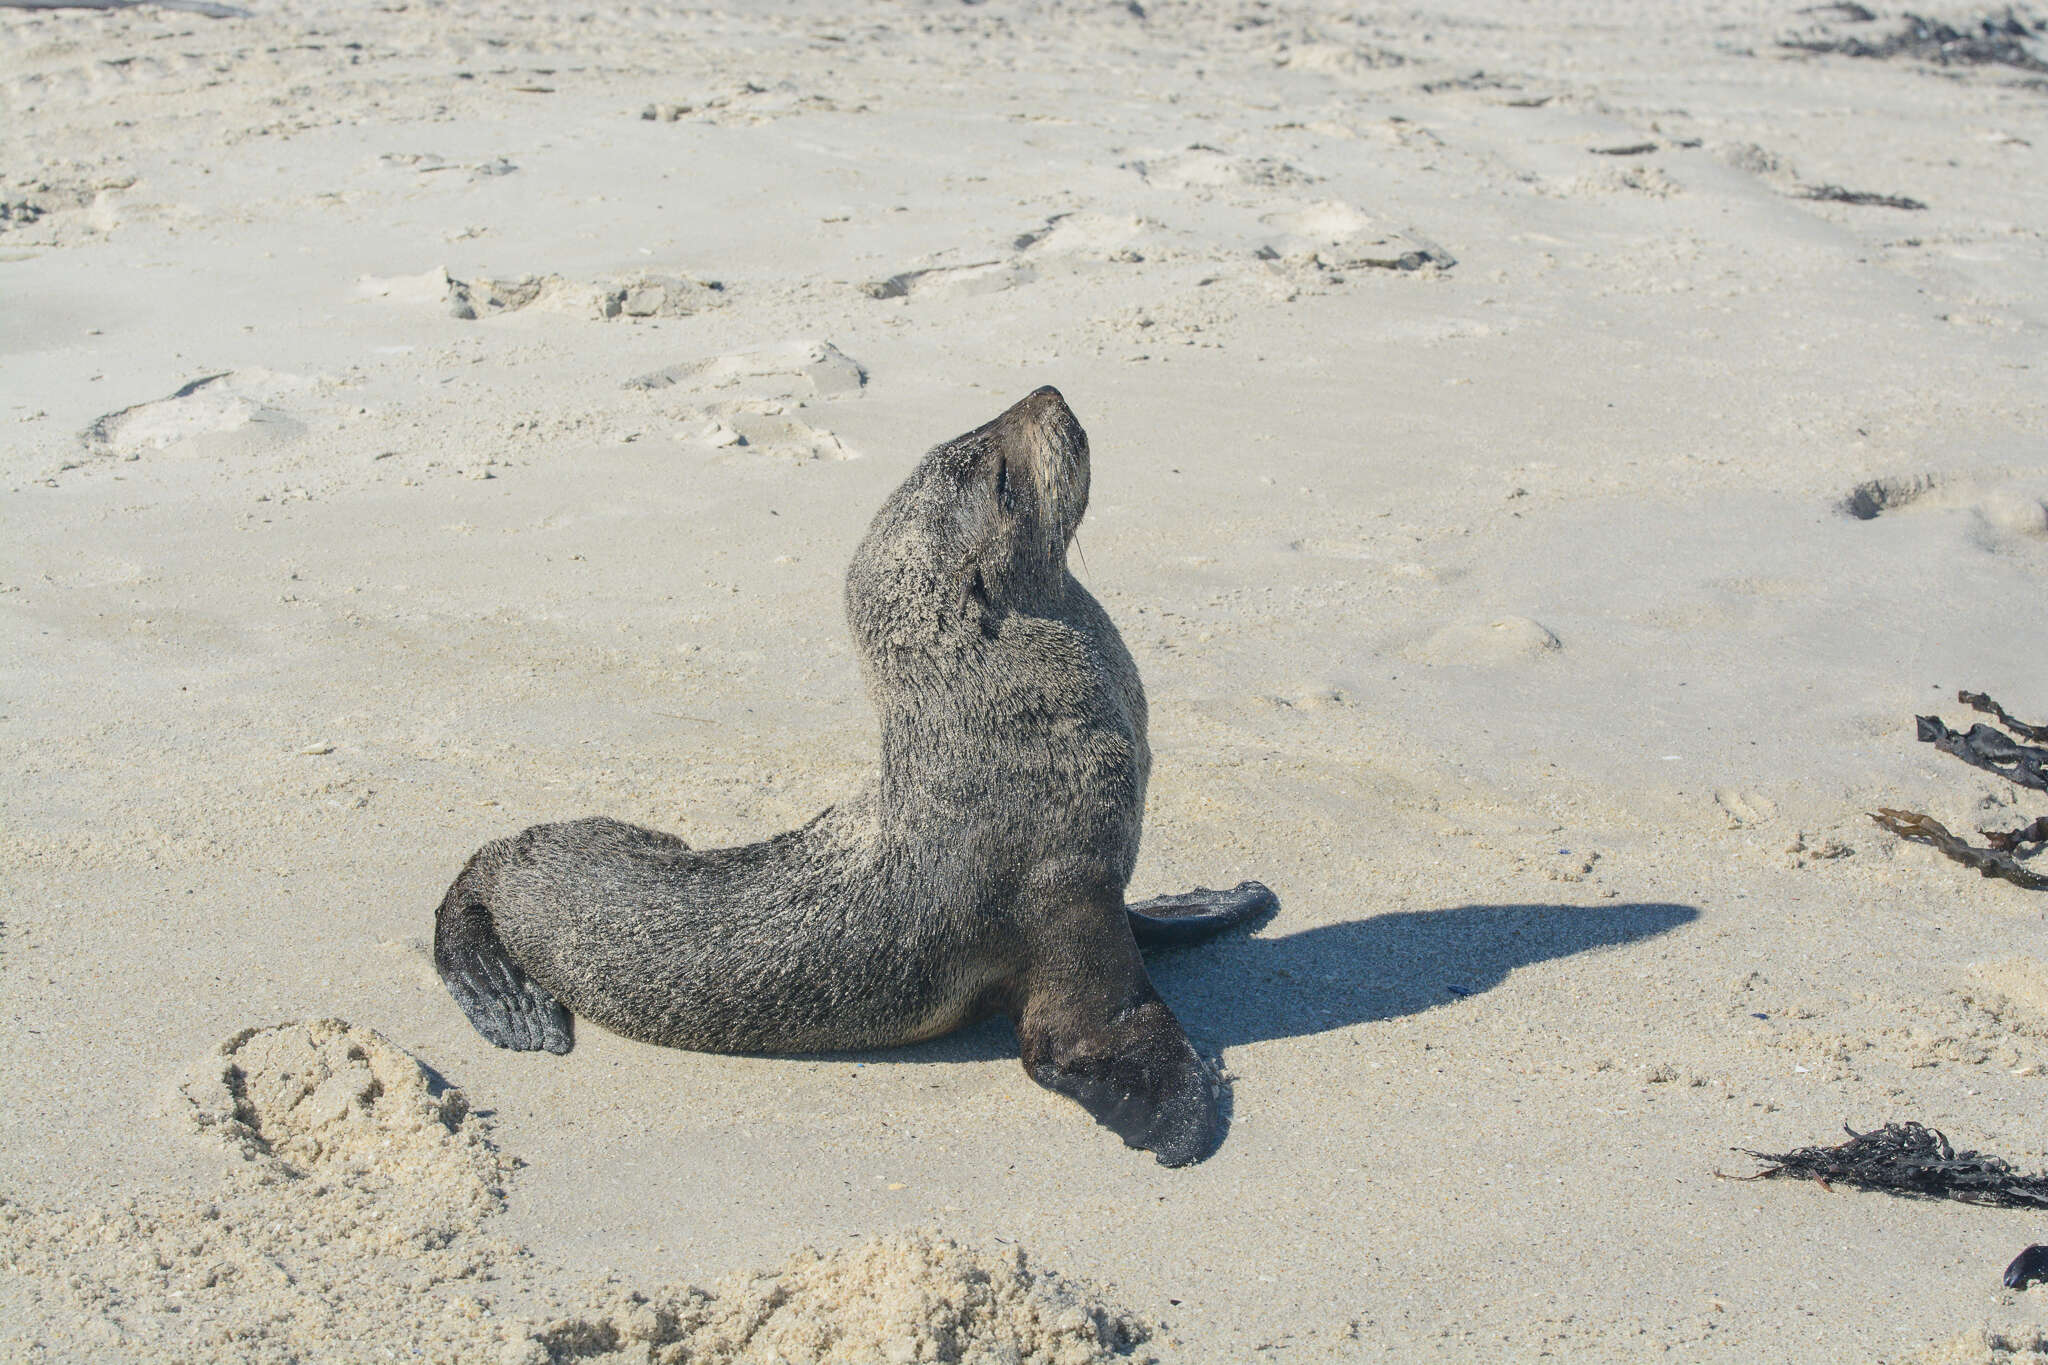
point(974, 592)
point(977, 608)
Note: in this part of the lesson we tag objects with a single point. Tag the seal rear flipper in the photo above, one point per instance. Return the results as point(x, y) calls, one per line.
point(1134, 1071)
point(505, 1004)
point(1192, 916)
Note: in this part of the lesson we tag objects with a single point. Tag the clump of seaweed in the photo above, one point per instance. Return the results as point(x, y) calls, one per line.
point(2000, 860)
point(1989, 748)
point(1983, 746)
point(2000, 38)
point(1911, 1160)
point(1982, 704)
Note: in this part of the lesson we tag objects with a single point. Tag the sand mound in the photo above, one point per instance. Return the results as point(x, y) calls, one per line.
point(746, 398)
point(360, 1183)
point(347, 1109)
point(805, 368)
point(350, 1224)
point(916, 1298)
point(1983, 1346)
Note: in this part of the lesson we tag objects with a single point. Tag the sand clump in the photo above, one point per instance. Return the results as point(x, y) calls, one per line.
point(352, 1223)
point(1985, 1346)
point(920, 1297)
point(385, 1143)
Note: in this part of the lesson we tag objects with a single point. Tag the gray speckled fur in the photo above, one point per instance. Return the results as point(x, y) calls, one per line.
point(981, 871)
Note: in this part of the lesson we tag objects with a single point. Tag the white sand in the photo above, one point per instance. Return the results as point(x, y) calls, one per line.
point(359, 1229)
point(408, 438)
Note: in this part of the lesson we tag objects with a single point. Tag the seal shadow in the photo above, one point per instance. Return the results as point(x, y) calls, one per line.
point(1232, 990)
point(1253, 990)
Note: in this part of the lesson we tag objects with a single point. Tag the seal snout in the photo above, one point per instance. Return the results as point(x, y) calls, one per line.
point(1046, 398)
point(1043, 416)
point(1040, 433)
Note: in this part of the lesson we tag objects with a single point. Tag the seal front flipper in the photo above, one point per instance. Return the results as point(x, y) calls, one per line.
point(506, 1005)
point(1131, 1067)
point(1192, 916)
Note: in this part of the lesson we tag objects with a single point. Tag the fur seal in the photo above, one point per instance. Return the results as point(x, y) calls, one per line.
point(982, 871)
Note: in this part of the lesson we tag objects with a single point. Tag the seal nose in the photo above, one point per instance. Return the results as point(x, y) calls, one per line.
point(1042, 421)
point(1044, 407)
point(1041, 434)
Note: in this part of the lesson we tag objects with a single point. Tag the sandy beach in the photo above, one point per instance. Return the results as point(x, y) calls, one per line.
point(1544, 458)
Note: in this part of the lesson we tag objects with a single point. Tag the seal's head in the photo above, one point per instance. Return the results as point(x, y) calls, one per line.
point(977, 533)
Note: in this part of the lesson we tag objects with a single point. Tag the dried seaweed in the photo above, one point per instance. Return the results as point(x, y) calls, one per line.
point(1997, 752)
point(1997, 39)
point(1835, 194)
point(2009, 840)
point(1977, 701)
point(1992, 750)
point(1992, 862)
point(1911, 1160)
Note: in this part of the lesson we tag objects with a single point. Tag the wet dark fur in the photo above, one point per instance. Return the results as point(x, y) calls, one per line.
point(981, 871)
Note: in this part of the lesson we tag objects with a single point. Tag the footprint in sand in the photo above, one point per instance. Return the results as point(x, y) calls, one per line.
point(747, 104)
point(1650, 181)
point(1745, 809)
point(952, 281)
point(237, 412)
point(1202, 167)
point(642, 295)
point(1497, 643)
point(1326, 222)
point(2016, 993)
point(1071, 242)
point(1064, 243)
point(2003, 510)
point(1338, 59)
point(1335, 236)
point(749, 398)
point(1872, 498)
point(2012, 512)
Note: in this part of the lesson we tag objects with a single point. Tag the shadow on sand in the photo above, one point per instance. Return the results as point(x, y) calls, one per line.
point(1235, 990)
